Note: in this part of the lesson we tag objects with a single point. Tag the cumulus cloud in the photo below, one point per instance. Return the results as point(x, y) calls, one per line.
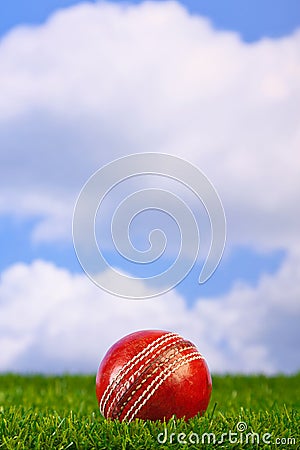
point(101, 81)
point(53, 321)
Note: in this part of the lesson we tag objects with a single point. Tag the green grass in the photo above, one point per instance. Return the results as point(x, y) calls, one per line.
point(39, 412)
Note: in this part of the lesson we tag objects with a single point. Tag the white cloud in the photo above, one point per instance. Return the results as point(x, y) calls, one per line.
point(52, 321)
point(100, 81)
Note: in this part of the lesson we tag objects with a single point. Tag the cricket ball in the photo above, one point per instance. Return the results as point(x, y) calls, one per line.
point(153, 374)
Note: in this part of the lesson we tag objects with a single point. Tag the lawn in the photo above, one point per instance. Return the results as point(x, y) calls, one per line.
point(45, 412)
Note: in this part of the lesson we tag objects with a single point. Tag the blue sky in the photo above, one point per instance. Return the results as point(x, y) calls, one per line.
point(252, 19)
point(215, 83)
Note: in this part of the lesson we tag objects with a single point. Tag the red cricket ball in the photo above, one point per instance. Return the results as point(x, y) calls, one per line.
point(153, 374)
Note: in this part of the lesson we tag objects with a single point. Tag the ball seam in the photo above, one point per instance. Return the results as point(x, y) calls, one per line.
point(158, 380)
point(131, 363)
point(164, 360)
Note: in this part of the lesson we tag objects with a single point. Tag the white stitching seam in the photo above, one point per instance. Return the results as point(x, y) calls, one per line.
point(130, 364)
point(168, 371)
point(153, 352)
point(163, 362)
